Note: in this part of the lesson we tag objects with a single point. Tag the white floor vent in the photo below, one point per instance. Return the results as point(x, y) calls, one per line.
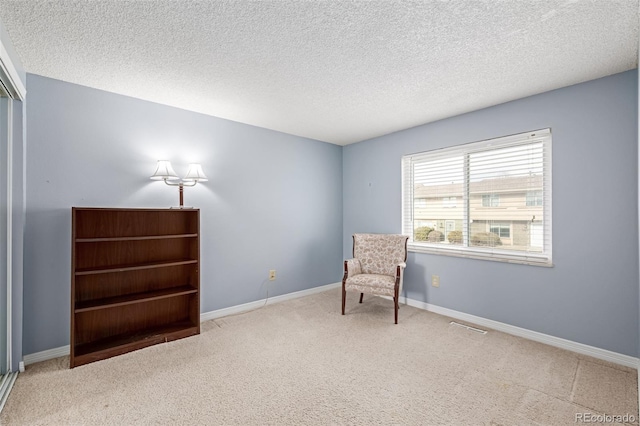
point(477, 330)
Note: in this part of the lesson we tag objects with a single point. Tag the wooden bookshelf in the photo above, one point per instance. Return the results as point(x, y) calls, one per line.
point(135, 279)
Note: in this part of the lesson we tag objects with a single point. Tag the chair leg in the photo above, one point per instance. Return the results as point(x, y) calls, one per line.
point(344, 297)
point(395, 304)
point(395, 308)
point(361, 294)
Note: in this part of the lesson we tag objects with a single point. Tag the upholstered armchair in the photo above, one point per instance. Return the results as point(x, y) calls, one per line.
point(377, 267)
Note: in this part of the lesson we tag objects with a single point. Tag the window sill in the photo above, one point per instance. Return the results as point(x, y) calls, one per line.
point(481, 254)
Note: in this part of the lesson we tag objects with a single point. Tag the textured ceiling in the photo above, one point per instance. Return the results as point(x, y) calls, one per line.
point(336, 71)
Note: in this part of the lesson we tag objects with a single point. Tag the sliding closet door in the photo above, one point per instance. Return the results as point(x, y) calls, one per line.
point(12, 214)
point(5, 243)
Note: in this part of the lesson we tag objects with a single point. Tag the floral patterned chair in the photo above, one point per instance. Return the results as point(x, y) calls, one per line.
point(376, 268)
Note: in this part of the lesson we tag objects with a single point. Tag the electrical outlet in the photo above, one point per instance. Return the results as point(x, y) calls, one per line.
point(272, 275)
point(435, 280)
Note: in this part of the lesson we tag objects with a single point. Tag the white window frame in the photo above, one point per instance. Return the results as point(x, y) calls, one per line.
point(465, 250)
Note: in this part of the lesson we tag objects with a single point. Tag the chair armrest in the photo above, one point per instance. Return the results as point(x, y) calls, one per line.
point(400, 268)
point(400, 275)
point(352, 267)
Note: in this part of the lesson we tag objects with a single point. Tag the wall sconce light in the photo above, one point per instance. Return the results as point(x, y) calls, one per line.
point(165, 172)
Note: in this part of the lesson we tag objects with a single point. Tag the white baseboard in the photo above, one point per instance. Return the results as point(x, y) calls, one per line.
point(558, 342)
point(258, 303)
point(45, 355)
point(64, 350)
point(569, 345)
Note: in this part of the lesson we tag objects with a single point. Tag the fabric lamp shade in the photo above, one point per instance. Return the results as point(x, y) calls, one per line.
point(164, 171)
point(195, 173)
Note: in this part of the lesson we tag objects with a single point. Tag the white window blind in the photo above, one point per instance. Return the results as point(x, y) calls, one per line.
point(502, 193)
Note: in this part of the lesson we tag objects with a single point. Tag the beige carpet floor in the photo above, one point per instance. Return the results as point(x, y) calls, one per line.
point(301, 362)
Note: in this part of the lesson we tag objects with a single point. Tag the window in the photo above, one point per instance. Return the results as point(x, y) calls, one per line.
point(534, 198)
point(502, 230)
point(496, 199)
point(420, 203)
point(490, 200)
point(448, 202)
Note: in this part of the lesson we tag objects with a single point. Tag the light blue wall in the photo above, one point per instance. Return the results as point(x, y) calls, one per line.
point(273, 201)
point(276, 201)
point(591, 294)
